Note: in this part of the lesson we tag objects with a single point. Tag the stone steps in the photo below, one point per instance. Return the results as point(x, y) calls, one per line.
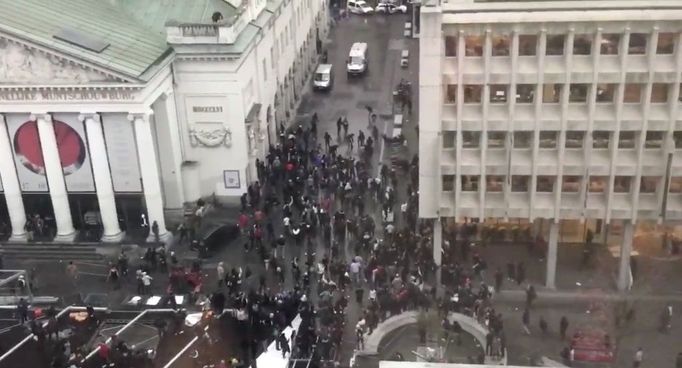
point(50, 252)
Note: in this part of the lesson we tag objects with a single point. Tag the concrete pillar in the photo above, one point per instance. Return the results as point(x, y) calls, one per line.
point(604, 235)
point(150, 174)
point(431, 97)
point(102, 175)
point(536, 228)
point(437, 242)
point(438, 251)
point(553, 243)
point(11, 186)
point(191, 181)
point(55, 178)
point(168, 131)
point(624, 272)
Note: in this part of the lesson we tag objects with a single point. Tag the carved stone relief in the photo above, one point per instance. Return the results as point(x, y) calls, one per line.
point(210, 135)
point(21, 65)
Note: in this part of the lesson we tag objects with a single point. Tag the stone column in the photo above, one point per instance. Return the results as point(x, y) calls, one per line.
point(170, 142)
point(102, 175)
point(55, 178)
point(10, 184)
point(624, 272)
point(149, 169)
point(552, 254)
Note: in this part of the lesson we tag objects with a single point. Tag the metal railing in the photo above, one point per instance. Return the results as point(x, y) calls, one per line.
point(16, 274)
point(125, 327)
point(31, 336)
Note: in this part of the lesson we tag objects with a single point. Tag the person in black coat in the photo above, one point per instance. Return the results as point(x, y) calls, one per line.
point(218, 302)
point(283, 344)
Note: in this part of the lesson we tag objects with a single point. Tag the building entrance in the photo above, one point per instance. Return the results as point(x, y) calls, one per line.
point(39, 216)
point(5, 224)
point(130, 208)
point(85, 216)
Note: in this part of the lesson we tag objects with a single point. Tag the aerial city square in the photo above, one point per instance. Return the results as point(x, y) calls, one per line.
point(340, 183)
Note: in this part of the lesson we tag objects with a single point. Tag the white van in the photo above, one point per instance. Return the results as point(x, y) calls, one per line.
point(359, 7)
point(324, 78)
point(358, 61)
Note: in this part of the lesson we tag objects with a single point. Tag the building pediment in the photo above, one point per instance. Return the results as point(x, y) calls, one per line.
point(21, 64)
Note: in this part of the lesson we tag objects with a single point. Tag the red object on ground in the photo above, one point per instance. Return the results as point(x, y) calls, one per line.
point(592, 346)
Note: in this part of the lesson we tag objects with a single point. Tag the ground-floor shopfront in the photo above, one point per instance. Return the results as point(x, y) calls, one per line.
point(613, 250)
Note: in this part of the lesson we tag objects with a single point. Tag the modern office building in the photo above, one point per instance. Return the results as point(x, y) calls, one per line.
point(115, 109)
point(562, 111)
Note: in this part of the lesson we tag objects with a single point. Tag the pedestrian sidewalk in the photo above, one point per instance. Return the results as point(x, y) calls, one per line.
point(517, 295)
point(585, 313)
point(651, 275)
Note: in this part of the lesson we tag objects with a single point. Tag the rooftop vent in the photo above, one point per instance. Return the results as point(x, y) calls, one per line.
point(79, 39)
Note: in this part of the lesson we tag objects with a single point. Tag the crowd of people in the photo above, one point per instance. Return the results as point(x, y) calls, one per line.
point(343, 207)
point(323, 225)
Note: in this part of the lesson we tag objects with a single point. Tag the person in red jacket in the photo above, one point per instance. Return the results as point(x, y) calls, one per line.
point(290, 166)
point(103, 352)
point(243, 222)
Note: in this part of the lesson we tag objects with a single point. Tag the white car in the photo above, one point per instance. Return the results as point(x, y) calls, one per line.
point(359, 7)
point(391, 8)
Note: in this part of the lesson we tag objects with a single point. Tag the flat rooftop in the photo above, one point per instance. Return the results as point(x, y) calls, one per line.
point(512, 11)
point(553, 5)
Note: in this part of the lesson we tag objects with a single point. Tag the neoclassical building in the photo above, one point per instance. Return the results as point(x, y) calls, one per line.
point(121, 108)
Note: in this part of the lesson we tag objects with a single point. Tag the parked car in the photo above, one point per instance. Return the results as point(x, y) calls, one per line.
point(215, 237)
point(390, 8)
point(359, 7)
point(324, 78)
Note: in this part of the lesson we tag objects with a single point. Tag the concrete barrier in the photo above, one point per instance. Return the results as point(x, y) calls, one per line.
point(389, 325)
point(469, 325)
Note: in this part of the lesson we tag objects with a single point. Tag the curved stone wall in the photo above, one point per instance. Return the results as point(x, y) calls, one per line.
point(469, 325)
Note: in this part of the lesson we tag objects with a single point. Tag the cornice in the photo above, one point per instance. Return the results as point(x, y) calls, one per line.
point(75, 87)
point(207, 57)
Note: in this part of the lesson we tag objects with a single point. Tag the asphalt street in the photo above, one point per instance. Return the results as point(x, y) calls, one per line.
point(350, 96)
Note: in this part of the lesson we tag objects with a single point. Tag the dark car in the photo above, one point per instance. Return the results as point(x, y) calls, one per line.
point(215, 236)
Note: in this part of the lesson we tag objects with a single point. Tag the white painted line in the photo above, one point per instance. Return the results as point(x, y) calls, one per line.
point(178, 355)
